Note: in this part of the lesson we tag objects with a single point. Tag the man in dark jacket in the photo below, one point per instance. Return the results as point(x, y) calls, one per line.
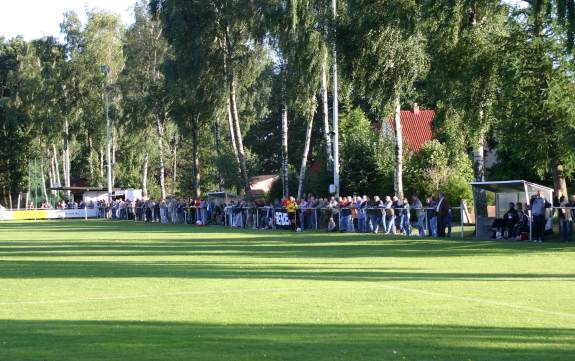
point(510, 218)
point(373, 211)
point(442, 214)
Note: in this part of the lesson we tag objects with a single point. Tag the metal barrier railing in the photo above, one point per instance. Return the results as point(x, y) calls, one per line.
point(421, 221)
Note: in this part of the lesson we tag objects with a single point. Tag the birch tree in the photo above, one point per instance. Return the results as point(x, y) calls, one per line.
point(212, 40)
point(299, 44)
point(464, 41)
point(388, 28)
point(145, 101)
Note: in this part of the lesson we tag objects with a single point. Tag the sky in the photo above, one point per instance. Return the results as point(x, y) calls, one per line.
point(37, 18)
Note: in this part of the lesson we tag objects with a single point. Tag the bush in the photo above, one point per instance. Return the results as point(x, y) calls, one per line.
point(430, 171)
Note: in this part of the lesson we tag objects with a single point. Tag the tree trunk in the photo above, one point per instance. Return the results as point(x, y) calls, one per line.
point(233, 133)
point(325, 107)
point(284, 135)
point(145, 175)
point(101, 154)
point(114, 146)
point(479, 195)
point(5, 197)
point(64, 165)
point(230, 78)
point(218, 138)
point(91, 157)
point(335, 109)
point(27, 199)
point(160, 133)
point(175, 165)
point(239, 141)
point(67, 157)
point(44, 190)
point(51, 176)
point(559, 181)
point(56, 165)
point(398, 164)
point(305, 153)
point(113, 157)
point(196, 158)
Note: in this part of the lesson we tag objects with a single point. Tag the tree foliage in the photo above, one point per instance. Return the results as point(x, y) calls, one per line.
point(198, 88)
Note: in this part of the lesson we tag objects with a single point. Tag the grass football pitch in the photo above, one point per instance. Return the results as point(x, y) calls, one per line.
point(100, 290)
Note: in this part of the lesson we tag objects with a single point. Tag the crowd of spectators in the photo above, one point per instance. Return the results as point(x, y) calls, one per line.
point(431, 216)
point(63, 204)
point(171, 210)
point(362, 214)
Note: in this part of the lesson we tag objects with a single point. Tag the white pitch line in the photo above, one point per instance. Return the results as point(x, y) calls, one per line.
point(483, 301)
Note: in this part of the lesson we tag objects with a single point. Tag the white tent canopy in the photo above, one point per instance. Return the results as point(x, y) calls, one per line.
point(512, 186)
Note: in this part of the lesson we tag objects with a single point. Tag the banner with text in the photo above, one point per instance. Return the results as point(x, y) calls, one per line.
point(9, 215)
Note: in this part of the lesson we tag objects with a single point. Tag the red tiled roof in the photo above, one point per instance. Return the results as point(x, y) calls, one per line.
point(417, 129)
point(416, 126)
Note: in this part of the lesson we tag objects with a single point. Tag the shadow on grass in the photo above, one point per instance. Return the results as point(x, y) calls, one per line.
point(261, 245)
point(122, 340)
point(231, 270)
point(252, 254)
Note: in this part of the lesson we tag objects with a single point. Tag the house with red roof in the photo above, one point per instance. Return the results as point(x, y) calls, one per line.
point(417, 128)
point(416, 124)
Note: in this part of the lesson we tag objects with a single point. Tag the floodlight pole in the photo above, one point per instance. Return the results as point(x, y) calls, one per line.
point(106, 71)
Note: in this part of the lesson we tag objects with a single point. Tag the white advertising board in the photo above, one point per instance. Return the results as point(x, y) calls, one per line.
point(7, 215)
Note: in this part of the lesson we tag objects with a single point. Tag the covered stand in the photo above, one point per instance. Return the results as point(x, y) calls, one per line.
point(505, 192)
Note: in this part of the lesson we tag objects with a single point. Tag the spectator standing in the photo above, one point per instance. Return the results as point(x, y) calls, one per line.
point(345, 212)
point(303, 205)
point(404, 223)
point(431, 217)
point(354, 205)
point(333, 210)
point(539, 207)
point(442, 210)
point(522, 223)
point(361, 205)
point(420, 214)
point(389, 218)
point(565, 220)
point(572, 214)
point(292, 207)
point(373, 212)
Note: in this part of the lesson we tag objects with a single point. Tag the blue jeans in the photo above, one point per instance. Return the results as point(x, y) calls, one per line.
point(362, 224)
point(348, 223)
point(390, 225)
point(566, 229)
point(433, 227)
point(421, 225)
point(404, 224)
point(311, 220)
point(302, 219)
point(374, 222)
